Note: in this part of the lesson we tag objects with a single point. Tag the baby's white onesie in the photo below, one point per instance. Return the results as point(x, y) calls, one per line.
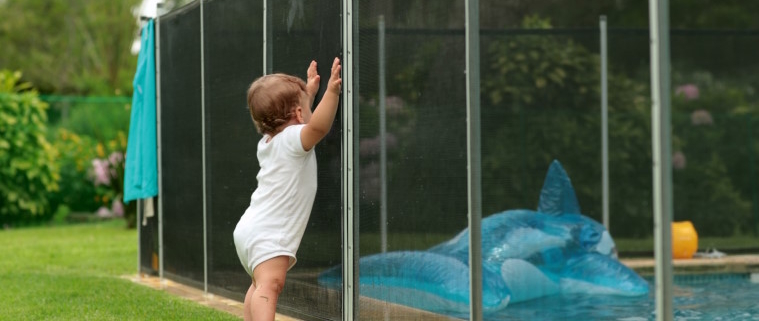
point(274, 223)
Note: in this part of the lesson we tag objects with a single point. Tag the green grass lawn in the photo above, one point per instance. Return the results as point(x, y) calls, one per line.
point(74, 273)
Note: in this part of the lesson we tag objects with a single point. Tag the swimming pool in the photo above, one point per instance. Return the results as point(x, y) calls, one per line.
point(704, 297)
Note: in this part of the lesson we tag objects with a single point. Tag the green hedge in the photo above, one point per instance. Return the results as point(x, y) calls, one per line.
point(28, 168)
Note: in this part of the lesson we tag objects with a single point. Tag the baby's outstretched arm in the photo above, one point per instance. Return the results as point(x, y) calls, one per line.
point(324, 115)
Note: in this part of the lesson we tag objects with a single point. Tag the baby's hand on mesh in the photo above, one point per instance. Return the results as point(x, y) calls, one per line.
point(334, 78)
point(312, 82)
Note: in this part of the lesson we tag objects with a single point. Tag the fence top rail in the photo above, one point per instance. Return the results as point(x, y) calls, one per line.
point(85, 99)
point(563, 31)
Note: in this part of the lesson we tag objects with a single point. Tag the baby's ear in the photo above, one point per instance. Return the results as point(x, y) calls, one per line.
point(298, 114)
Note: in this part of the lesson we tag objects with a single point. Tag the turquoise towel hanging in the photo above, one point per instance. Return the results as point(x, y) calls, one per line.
point(141, 172)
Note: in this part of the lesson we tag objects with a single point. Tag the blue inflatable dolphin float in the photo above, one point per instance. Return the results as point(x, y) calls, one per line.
point(526, 255)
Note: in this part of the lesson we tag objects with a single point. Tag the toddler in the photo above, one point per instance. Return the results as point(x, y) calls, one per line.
point(269, 232)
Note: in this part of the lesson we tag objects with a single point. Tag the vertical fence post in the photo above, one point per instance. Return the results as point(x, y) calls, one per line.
point(349, 291)
point(752, 173)
point(474, 171)
point(382, 137)
point(139, 235)
point(604, 123)
point(382, 132)
point(267, 41)
point(662, 155)
point(203, 149)
point(159, 11)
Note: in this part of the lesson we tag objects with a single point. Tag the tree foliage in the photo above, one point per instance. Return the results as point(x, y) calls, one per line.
point(71, 47)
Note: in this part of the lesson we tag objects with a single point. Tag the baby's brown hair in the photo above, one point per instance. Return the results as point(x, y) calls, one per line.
point(272, 99)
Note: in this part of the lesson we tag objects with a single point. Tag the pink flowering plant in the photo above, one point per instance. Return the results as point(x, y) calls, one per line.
point(107, 175)
point(711, 140)
point(400, 124)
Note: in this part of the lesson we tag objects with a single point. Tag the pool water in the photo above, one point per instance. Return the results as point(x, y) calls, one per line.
point(725, 297)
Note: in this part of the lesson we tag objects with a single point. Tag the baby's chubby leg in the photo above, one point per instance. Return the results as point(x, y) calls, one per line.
point(269, 279)
point(247, 312)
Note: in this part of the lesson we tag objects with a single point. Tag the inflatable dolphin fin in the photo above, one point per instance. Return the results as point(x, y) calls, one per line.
point(558, 195)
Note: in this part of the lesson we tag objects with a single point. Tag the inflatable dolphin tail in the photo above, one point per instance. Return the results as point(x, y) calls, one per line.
point(558, 195)
point(600, 274)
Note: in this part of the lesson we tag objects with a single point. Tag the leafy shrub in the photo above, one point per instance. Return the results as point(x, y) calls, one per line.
point(538, 71)
point(714, 178)
point(100, 120)
point(75, 154)
point(92, 175)
point(28, 170)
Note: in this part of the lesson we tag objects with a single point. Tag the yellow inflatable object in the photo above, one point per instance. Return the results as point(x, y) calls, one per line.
point(684, 240)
